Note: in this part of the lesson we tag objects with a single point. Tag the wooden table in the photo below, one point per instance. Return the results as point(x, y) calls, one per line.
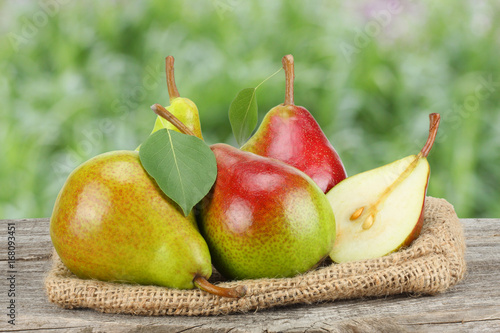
point(471, 306)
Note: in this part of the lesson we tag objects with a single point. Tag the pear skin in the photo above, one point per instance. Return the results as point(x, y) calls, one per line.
point(264, 218)
point(186, 111)
point(290, 134)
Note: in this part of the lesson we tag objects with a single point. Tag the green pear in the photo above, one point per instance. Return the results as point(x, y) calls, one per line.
point(182, 108)
point(112, 222)
point(264, 218)
point(381, 210)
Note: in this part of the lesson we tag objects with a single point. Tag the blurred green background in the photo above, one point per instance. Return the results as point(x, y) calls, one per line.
point(77, 80)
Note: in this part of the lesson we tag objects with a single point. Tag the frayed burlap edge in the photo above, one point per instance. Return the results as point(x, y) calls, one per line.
point(433, 263)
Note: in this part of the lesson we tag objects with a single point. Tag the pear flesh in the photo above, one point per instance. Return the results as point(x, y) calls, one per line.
point(380, 210)
point(112, 222)
point(384, 219)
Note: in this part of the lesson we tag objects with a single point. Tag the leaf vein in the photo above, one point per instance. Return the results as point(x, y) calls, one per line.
point(246, 113)
point(177, 166)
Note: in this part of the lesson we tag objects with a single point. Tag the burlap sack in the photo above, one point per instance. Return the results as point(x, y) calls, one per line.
point(433, 263)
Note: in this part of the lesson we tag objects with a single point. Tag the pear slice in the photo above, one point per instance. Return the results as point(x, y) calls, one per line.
point(380, 210)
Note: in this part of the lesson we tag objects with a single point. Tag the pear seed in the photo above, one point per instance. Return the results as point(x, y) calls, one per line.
point(368, 222)
point(357, 213)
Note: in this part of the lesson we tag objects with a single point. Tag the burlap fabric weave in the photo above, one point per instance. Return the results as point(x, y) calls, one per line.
point(433, 263)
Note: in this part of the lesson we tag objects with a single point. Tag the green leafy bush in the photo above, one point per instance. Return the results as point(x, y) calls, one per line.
point(77, 80)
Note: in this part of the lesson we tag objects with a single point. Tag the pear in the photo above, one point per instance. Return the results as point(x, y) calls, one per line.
point(290, 133)
point(182, 108)
point(381, 210)
point(264, 218)
point(112, 222)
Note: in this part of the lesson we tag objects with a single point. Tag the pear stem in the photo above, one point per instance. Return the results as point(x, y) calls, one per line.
point(164, 113)
point(169, 69)
point(288, 66)
point(433, 127)
point(235, 292)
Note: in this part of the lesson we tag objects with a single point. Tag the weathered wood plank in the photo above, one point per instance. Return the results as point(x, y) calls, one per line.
point(472, 305)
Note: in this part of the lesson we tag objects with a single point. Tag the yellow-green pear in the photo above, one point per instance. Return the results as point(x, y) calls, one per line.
point(112, 222)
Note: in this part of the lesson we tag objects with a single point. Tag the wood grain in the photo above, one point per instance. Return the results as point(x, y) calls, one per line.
point(471, 306)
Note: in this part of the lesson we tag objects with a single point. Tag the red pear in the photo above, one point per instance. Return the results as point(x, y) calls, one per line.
point(290, 133)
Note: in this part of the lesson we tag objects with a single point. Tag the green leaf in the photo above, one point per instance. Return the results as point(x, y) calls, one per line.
point(243, 114)
point(183, 166)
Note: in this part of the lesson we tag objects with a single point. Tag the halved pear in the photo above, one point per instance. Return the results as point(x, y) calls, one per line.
point(380, 210)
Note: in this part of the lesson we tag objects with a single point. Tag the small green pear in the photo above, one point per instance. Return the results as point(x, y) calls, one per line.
point(112, 222)
point(182, 108)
